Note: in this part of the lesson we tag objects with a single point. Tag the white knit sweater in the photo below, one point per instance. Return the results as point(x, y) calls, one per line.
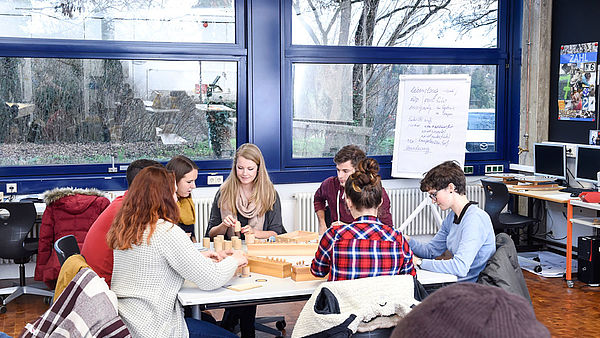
point(147, 278)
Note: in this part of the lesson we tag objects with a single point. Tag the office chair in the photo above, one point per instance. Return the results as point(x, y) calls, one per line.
point(496, 198)
point(16, 221)
point(65, 247)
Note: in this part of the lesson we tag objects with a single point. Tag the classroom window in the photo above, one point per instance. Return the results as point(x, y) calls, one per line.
point(88, 111)
point(168, 20)
point(338, 104)
point(396, 23)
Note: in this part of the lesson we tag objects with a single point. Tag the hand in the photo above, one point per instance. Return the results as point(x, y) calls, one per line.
point(417, 261)
point(338, 223)
point(240, 257)
point(248, 230)
point(212, 255)
point(407, 238)
point(229, 221)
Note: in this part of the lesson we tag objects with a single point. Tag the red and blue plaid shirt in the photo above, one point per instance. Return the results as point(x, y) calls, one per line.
point(364, 248)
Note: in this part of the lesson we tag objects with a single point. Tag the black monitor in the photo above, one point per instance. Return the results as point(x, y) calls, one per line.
point(587, 163)
point(550, 160)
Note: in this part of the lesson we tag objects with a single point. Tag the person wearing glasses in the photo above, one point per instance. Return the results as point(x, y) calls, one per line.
point(467, 232)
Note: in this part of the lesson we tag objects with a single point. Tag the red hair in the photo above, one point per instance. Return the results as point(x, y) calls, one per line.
point(149, 198)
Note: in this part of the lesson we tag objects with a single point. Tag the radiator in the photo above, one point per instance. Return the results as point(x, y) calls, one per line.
point(402, 203)
point(202, 209)
point(305, 217)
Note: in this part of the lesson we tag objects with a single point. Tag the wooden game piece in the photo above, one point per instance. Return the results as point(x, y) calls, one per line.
point(302, 273)
point(220, 238)
point(237, 243)
point(206, 242)
point(244, 287)
point(238, 271)
point(246, 271)
point(270, 266)
point(297, 237)
point(282, 249)
point(218, 245)
point(227, 245)
point(249, 239)
point(238, 226)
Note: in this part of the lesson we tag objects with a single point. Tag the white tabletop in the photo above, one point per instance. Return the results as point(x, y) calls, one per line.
point(274, 289)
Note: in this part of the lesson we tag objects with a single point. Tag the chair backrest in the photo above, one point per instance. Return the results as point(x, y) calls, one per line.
point(496, 198)
point(65, 247)
point(16, 221)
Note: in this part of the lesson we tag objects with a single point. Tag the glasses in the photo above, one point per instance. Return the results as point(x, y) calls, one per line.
point(434, 195)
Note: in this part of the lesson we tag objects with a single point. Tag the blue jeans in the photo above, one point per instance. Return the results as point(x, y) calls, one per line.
point(198, 328)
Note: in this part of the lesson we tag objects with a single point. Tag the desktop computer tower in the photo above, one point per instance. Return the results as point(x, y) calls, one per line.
point(588, 259)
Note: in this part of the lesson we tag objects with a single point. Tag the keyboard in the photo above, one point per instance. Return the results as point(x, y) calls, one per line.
point(575, 191)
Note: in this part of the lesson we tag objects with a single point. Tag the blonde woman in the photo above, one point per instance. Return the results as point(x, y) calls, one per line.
point(247, 196)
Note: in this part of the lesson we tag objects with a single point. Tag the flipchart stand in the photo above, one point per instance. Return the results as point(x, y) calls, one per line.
point(420, 207)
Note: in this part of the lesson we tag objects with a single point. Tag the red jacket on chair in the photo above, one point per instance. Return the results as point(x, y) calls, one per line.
point(68, 212)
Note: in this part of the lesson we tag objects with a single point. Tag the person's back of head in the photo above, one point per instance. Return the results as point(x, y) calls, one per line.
point(363, 187)
point(440, 176)
point(136, 166)
point(471, 310)
point(350, 153)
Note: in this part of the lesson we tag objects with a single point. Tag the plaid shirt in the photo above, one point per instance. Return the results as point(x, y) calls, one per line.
point(364, 248)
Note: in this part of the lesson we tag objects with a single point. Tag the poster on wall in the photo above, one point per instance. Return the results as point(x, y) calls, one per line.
point(577, 82)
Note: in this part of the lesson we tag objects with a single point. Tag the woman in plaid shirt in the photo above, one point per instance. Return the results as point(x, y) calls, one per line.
point(365, 247)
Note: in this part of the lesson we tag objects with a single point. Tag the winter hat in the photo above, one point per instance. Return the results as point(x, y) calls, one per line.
point(471, 310)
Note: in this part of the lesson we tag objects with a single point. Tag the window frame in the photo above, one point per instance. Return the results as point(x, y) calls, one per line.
point(38, 178)
point(499, 56)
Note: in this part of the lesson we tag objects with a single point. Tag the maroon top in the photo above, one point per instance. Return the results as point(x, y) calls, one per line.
point(331, 191)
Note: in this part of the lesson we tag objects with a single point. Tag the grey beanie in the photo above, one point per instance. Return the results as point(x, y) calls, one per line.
point(471, 310)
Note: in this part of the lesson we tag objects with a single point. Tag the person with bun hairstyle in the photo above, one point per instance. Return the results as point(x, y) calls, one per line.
point(466, 232)
point(330, 199)
point(366, 247)
point(153, 257)
point(186, 173)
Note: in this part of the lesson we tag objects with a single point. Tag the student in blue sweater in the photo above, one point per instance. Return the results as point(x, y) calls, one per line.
point(466, 232)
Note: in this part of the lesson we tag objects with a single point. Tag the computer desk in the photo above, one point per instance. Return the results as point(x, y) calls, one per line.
point(588, 221)
point(273, 290)
point(556, 197)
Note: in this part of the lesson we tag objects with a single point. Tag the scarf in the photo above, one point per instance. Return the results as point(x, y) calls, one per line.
point(245, 208)
point(186, 211)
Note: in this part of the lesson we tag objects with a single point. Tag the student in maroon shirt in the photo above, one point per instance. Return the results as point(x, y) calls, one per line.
point(331, 192)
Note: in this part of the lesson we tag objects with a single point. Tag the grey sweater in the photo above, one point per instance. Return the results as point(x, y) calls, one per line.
point(147, 279)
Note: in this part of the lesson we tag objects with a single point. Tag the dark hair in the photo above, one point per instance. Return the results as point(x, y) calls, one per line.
point(136, 166)
point(440, 176)
point(363, 187)
point(350, 153)
point(181, 165)
point(149, 199)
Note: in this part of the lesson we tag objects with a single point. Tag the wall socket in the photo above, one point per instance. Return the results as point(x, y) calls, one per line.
point(11, 188)
point(214, 179)
point(494, 168)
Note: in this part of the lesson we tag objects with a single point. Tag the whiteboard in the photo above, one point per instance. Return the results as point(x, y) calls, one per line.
point(431, 122)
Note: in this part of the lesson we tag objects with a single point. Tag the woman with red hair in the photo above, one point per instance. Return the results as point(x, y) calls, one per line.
point(152, 258)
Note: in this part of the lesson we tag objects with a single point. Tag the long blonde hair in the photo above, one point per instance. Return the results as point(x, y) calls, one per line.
point(263, 195)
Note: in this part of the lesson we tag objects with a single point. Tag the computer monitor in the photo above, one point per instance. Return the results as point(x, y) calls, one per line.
point(550, 160)
point(587, 163)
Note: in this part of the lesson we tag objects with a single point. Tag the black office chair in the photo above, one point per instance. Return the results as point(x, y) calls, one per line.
point(16, 221)
point(496, 198)
point(65, 247)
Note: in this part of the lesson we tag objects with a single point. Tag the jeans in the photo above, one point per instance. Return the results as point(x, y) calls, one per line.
point(244, 315)
point(198, 328)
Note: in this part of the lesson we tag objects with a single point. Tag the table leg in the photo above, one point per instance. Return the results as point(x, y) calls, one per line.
point(569, 243)
point(196, 312)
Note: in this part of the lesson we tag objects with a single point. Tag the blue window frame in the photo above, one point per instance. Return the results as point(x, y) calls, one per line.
point(265, 57)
